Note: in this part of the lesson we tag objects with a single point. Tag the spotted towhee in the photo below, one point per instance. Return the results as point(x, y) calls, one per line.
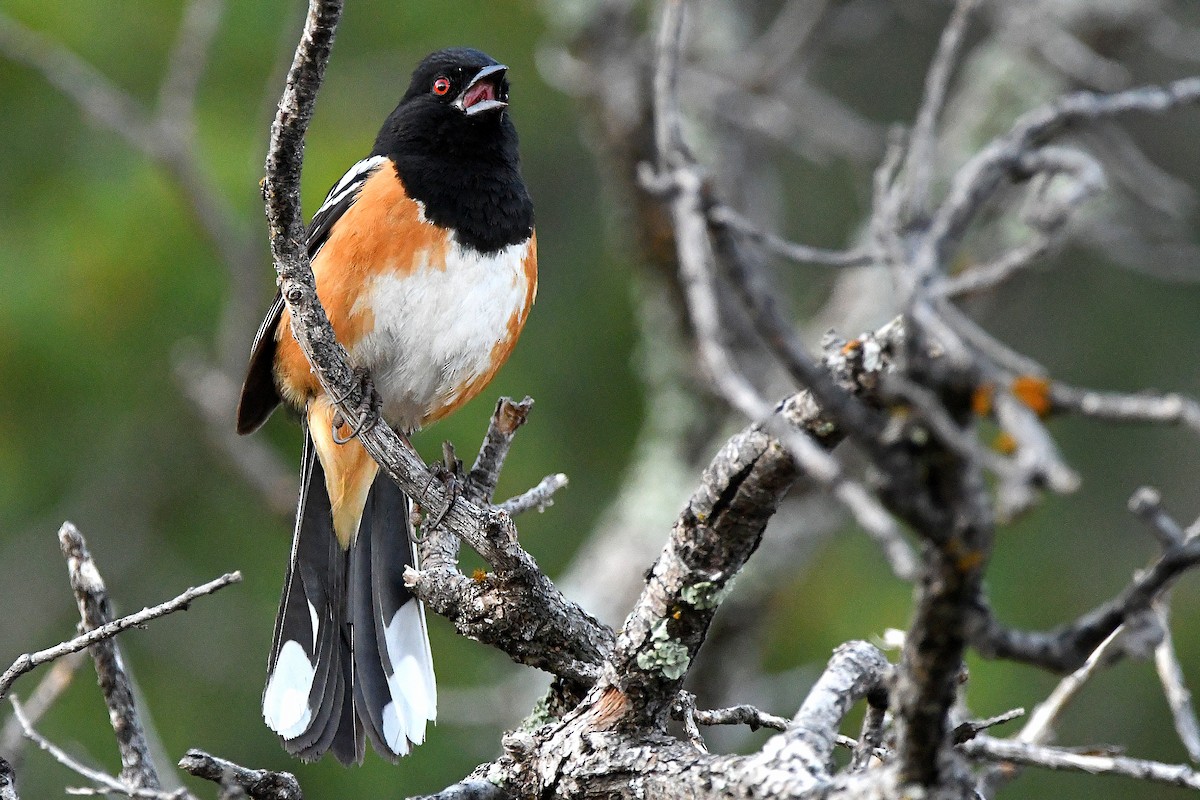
point(426, 262)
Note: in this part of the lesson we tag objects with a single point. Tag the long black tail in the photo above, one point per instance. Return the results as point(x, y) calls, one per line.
point(350, 655)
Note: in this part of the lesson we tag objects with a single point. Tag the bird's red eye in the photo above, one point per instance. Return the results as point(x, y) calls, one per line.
point(441, 86)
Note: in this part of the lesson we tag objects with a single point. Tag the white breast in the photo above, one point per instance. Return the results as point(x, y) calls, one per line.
point(435, 329)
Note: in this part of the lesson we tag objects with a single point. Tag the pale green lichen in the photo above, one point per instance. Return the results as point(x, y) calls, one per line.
point(665, 655)
point(538, 716)
point(706, 594)
point(495, 775)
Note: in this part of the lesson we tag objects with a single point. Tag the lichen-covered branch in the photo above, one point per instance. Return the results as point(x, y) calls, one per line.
point(588, 755)
point(718, 531)
point(530, 621)
point(256, 784)
point(137, 766)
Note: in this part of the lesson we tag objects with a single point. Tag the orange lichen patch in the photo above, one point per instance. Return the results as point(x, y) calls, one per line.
point(349, 470)
point(981, 399)
point(479, 575)
point(850, 346)
point(381, 232)
point(502, 349)
point(1004, 443)
point(1034, 393)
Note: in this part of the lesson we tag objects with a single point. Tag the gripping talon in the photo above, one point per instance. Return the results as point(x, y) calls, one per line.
point(448, 474)
point(369, 407)
point(365, 422)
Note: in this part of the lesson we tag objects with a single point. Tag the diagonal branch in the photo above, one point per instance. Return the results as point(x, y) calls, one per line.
point(1057, 758)
point(30, 661)
point(256, 784)
point(108, 785)
point(137, 765)
point(1067, 647)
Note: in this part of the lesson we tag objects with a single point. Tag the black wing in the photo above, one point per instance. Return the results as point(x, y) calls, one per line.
point(259, 395)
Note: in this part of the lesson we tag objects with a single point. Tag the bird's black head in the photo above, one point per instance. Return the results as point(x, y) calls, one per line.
point(455, 148)
point(467, 80)
point(454, 106)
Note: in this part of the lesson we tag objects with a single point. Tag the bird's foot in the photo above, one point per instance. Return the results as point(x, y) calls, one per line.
point(370, 406)
point(450, 472)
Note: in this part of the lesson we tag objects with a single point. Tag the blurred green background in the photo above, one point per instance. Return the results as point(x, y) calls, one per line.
point(105, 279)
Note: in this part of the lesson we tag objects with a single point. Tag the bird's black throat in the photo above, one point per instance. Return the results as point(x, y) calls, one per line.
point(465, 172)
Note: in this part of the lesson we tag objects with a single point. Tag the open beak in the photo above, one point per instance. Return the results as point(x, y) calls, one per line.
point(483, 92)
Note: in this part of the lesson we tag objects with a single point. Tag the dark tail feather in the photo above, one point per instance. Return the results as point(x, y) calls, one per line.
point(370, 690)
point(350, 655)
point(393, 666)
point(308, 696)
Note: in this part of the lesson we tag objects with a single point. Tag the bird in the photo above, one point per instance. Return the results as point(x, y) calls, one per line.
point(425, 259)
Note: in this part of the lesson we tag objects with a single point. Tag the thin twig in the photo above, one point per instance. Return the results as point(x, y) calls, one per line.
point(1146, 504)
point(975, 183)
point(1040, 726)
point(984, 277)
point(972, 728)
point(1053, 210)
point(742, 715)
point(96, 95)
point(1070, 645)
point(1172, 409)
point(540, 497)
point(1031, 755)
point(870, 740)
point(48, 690)
point(1179, 697)
point(213, 394)
point(852, 744)
point(507, 418)
point(918, 166)
point(29, 661)
point(987, 345)
point(722, 215)
point(108, 783)
point(185, 66)
point(684, 710)
point(95, 609)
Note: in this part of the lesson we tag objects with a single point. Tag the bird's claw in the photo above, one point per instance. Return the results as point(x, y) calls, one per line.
point(449, 472)
point(369, 407)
